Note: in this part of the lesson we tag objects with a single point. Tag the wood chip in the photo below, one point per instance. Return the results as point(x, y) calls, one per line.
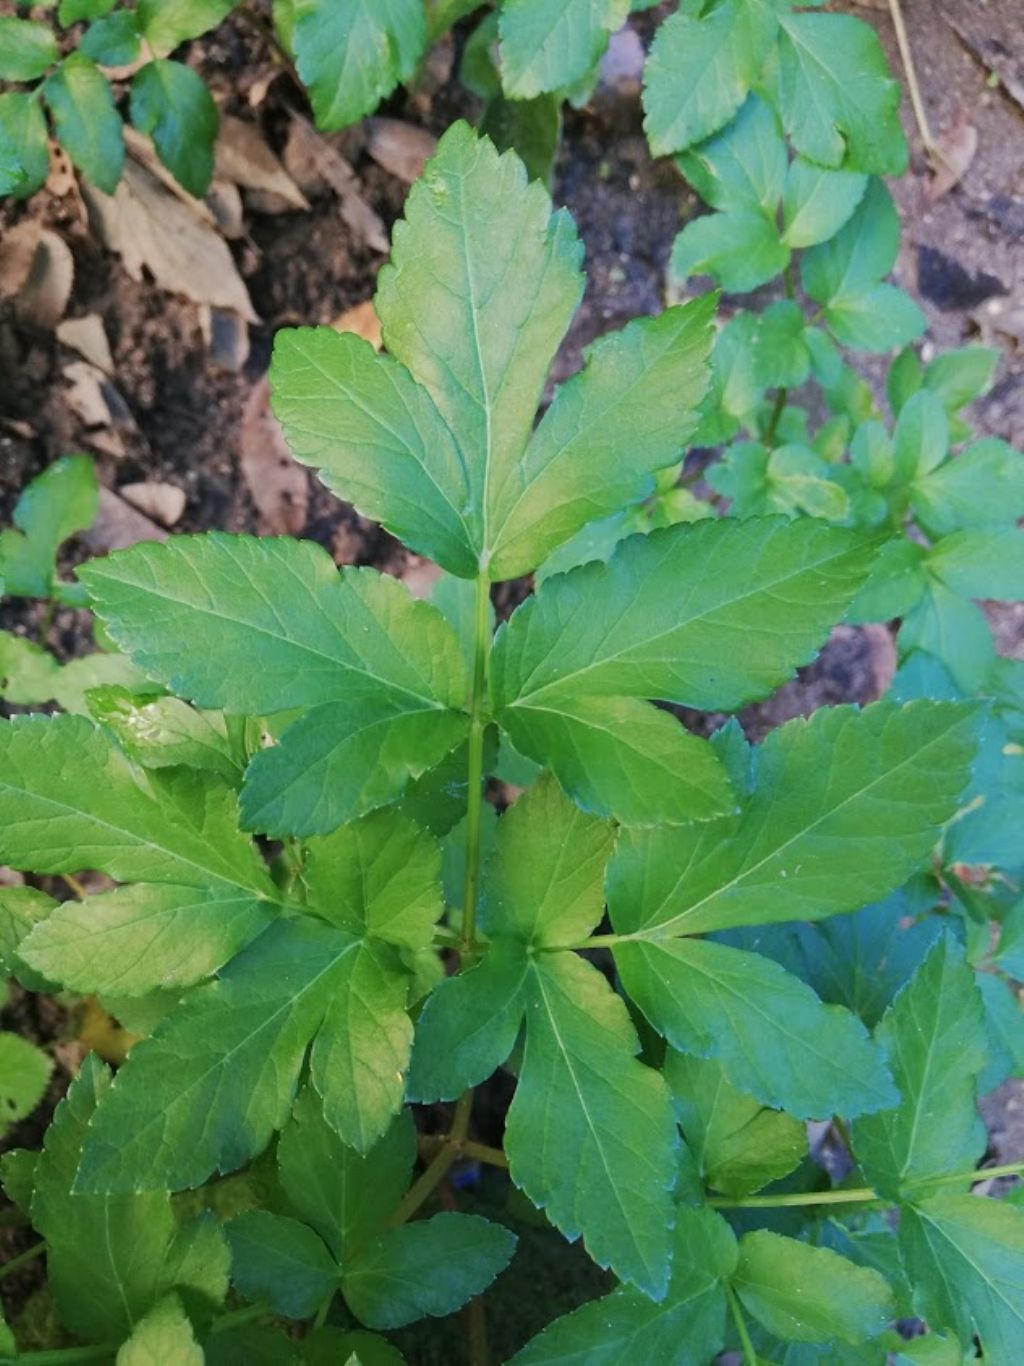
point(279, 486)
point(164, 503)
point(88, 337)
point(401, 148)
point(37, 272)
point(955, 150)
point(307, 148)
point(363, 321)
point(245, 159)
point(119, 525)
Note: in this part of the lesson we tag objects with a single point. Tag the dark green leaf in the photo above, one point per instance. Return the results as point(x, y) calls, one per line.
point(113, 41)
point(86, 118)
point(545, 48)
point(171, 103)
point(278, 1261)
point(26, 155)
point(61, 501)
point(167, 23)
point(740, 248)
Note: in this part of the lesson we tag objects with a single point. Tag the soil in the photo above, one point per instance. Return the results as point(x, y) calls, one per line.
point(177, 410)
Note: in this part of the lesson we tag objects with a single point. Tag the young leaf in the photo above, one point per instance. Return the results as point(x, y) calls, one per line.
point(687, 1328)
point(24, 1074)
point(981, 564)
point(351, 56)
point(741, 249)
point(164, 1334)
point(965, 1257)
point(544, 49)
point(167, 23)
point(817, 202)
point(345, 1195)
point(27, 48)
point(845, 806)
point(739, 1146)
point(28, 159)
point(206, 1091)
point(21, 908)
point(113, 40)
point(590, 1136)
point(743, 166)
point(430, 1267)
point(933, 1035)
point(61, 501)
point(921, 438)
point(81, 101)
point(700, 69)
point(170, 102)
point(955, 631)
point(810, 1294)
point(164, 732)
point(983, 486)
point(835, 95)
point(772, 1035)
point(280, 1262)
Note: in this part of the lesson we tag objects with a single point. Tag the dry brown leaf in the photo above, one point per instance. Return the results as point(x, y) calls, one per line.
point(88, 337)
point(153, 229)
point(244, 158)
point(363, 321)
point(278, 485)
point(119, 525)
point(954, 151)
point(37, 271)
point(85, 396)
point(401, 148)
point(307, 149)
point(224, 201)
point(164, 503)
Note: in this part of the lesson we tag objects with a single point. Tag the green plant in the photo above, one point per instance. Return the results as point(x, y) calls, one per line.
point(400, 941)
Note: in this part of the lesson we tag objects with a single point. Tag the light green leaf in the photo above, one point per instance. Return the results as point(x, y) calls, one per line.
point(797, 479)
point(846, 805)
point(27, 48)
point(740, 248)
point(965, 1257)
point(962, 374)
point(880, 319)
point(545, 881)
point(207, 1089)
point(810, 1294)
point(984, 486)
point(430, 1267)
point(24, 125)
point(687, 1328)
point(24, 1074)
point(61, 501)
point(88, 125)
point(21, 908)
point(955, 631)
point(469, 1025)
point(168, 23)
point(743, 166)
point(835, 95)
point(933, 1035)
point(31, 676)
point(739, 1146)
point(105, 1253)
point(626, 414)
point(862, 253)
point(771, 1033)
point(379, 876)
point(164, 732)
point(662, 618)
point(113, 40)
point(700, 69)
point(981, 564)
point(346, 1196)
point(780, 351)
point(478, 336)
point(278, 1261)
point(163, 1335)
point(350, 55)
point(921, 438)
point(71, 11)
point(170, 102)
point(545, 47)
point(590, 1136)
point(817, 202)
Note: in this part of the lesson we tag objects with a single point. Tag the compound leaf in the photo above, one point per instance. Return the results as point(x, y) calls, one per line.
point(281, 1262)
point(590, 1136)
point(983, 486)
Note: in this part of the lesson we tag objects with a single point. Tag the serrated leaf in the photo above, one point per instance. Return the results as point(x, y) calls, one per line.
point(983, 486)
point(545, 49)
point(817, 202)
point(987, 563)
point(740, 248)
point(809, 1294)
point(772, 1035)
point(590, 1136)
point(24, 1074)
point(21, 909)
point(105, 1253)
point(207, 1089)
point(61, 501)
point(350, 55)
point(278, 1261)
point(744, 165)
point(81, 102)
point(700, 69)
point(163, 1335)
point(345, 1195)
point(170, 103)
point(835, 94)
point(961, 374)
point(27, 48)
point(933, 1035)
point(879, 319)
point(164, 732)
point(780, 351)
point(739, 1146)
point(686, 1329)
point(469, 1025)
point(845, 806)
point(545, 881)
point(167, 23)
point(965, 1257)
point(24, 125)
point(430, 1267)
point(945, 624)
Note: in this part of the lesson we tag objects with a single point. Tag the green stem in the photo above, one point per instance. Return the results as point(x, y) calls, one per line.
point(323, 1311)
point(475, 791)
point(982, 1174)
point(862, 1195)
point(494, 1157)
point(776, 415)
point(749, 1355)
point(237, 1317)
point(16, 1263)
point(58, 1356)
point(422, 1188)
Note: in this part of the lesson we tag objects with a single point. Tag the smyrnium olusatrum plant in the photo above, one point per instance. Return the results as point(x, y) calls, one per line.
point(401, 941)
